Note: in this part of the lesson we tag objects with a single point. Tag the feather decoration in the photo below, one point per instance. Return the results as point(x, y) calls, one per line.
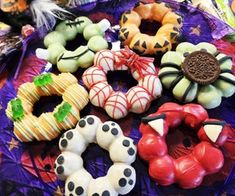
point(45, 13)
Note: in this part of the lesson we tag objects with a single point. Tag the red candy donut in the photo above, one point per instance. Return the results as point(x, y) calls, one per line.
point(188, 170)
point(118, 104)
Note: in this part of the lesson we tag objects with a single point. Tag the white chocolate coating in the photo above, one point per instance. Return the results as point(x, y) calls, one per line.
point(120, 178)
point(116, 103)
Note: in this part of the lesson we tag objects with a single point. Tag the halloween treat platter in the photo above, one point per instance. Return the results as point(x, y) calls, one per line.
point(153, 117)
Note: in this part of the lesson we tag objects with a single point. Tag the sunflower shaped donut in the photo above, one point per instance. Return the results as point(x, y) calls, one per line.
point(49, 125)
point(121, 176)
point(117, 104)
point(205, 158)
point(142, 43)
point(198, 71)
point(83, 56)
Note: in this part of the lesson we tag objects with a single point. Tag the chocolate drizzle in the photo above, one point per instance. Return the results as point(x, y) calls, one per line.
point(190, 86)
point(147, 119)
point(170, 65)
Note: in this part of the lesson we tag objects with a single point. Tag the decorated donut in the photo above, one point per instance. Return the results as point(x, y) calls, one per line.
point(49, 125)
point(205, 158)
point(198, 72)
point(69, 61)
point(117, 104)
point(142, 43)
point(121, 176)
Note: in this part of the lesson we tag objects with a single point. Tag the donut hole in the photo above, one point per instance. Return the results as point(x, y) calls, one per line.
point(126, 82)
point(149, 27)
point(181, 141)
point(96, 161)
point(75, 43)
point(46, 104)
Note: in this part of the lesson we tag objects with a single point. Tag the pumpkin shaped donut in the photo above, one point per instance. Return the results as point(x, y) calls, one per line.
point(28, 127)
point(142, 43)
point(203, 159)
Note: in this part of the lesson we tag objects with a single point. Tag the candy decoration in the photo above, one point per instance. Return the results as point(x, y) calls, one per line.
point(47, 126)
point(121, 176)
point(69, 61)
point(62, 112)
point(189, 170)
point(17, 109)
point(117, 104)
point(198, 72)
point(142, 43)
point(42, 80)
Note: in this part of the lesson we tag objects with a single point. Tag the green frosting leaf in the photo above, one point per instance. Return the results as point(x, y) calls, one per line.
point(43, 79)
point(17, 109)
point(62, 112)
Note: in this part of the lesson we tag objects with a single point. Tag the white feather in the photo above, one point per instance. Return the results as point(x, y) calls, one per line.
point(75, 3)
point(45, 13)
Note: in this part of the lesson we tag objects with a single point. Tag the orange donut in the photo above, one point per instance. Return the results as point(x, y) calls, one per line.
point(49, 125)
point(142, 43)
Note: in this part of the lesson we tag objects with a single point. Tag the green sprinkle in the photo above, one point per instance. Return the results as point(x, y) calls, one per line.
point(43, 79)
point(62, 112)
point(17, 109)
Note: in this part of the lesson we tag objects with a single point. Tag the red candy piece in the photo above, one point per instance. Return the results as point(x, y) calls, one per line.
point(162, 170)
point(210, 158)
point(205, 158)
point(27, 30)
point(189, 173)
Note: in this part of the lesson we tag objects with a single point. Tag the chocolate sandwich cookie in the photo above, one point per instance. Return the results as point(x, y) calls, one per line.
point(201, 67)
point(198, 72)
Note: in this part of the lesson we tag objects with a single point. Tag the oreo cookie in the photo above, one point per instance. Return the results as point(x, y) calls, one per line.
point(201, 67)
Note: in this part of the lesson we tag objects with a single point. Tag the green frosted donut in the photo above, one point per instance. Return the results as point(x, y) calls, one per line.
point(209, 97)
point(185, 90)
point(54, 37)
point(55, 50)
point(69, 31)
point(198, 71)
point(81, 23)
point(97, 43)
point(67, 62)
point(226, 84)
point(92, 30)
point(168, 75)
point(86, 60)
point(83, 56)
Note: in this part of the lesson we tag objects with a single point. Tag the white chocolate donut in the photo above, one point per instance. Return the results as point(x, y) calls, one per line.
point(106, 133)
point(120, 178)
point(118, 104)
point(66, 164)
point(77, 183)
